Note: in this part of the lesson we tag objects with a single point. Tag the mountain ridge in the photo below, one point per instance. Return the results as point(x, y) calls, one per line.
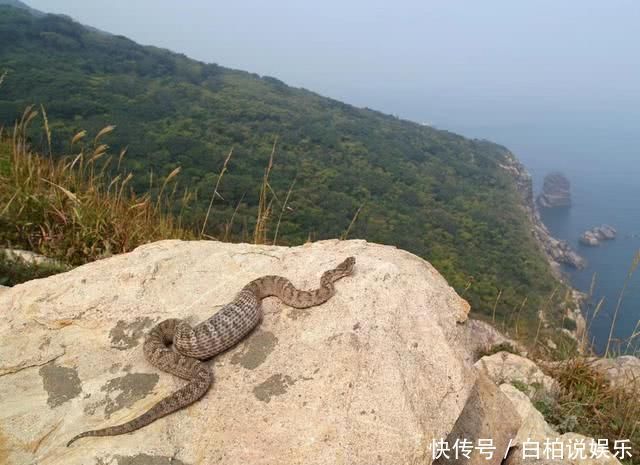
point(429, 191)
point(23, 6)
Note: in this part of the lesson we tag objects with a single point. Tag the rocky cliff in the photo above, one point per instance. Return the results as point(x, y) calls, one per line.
point(557, 251)
point(375, 375)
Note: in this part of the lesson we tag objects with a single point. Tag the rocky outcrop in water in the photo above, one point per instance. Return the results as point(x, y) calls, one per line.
point(557, 252)
point(594, 236)
point(556, 192)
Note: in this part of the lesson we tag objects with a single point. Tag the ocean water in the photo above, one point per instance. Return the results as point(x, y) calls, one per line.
point(602, 162)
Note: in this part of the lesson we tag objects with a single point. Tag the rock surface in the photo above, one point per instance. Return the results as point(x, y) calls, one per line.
point(371, 376)
point(487, 414)
point(28, 256)
point(556, 191)
point(533, 425)
point(505, 367)
point(594, 236)
point(623, 371)
point(479, 336)
point(536, 438)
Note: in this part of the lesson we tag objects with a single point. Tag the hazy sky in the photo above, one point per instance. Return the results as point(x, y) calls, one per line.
point(450, 62)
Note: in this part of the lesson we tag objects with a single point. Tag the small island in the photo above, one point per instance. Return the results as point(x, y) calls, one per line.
point(594, 236)
point(556, 191)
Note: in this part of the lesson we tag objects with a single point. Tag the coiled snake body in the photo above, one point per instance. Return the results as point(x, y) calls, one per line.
point(221, 331)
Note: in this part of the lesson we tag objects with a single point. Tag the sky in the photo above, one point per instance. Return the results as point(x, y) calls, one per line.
point(448, 63)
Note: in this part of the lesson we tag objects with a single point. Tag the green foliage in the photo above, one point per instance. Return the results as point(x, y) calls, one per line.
point(431, 192)
point(5, 156)
point(547, 408)
point(570, 324)
point(520, 386)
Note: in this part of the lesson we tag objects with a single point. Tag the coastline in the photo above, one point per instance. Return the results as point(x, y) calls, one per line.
point(557, 252)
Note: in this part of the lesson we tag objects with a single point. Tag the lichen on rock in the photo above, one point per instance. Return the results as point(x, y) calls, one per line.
point(374, 375)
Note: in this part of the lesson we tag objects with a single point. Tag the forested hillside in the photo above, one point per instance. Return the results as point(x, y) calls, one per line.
point(434, 193)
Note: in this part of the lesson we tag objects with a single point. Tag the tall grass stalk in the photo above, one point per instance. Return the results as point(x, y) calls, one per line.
point(229, 225)
point(265, 202)
point(68, 208)
point(215, 191)
point(345, 235)
point(632, 269)
point(495, 305)
point(541, 315)
point(46, 128)
point(590, 321)
point(517, 324)
point(284, 206)
point(635, 333)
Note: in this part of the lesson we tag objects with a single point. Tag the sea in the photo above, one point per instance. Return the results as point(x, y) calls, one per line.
point(601, 159)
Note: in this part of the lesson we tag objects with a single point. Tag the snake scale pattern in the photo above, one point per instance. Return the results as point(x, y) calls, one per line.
point(221, 331)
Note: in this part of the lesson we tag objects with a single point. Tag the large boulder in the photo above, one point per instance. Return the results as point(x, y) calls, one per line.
point(487, 414)
point(372, 376)
point(537, 443)
point(556, 191)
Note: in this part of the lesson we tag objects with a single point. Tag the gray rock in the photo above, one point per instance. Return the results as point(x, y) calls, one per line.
point(487, 414)
point(371, 376)
point(556, 192)
point(505, 367)
point(606, 232)
point(29, 257)
point(534, 432)
point(478, 336)
point(623, 371)
point(589, 238)
point(594, 236)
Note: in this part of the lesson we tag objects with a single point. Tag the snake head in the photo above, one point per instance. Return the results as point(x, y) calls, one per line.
point(346, 267)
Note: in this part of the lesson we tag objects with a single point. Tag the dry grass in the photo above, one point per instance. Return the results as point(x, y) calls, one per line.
point(82, 207)
point(69, 209)
point(216, 194)
point(353, 221)
point(495, 305)
point(265, 203)
point(634, 265)
point(282, 210)
point(589, 405)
